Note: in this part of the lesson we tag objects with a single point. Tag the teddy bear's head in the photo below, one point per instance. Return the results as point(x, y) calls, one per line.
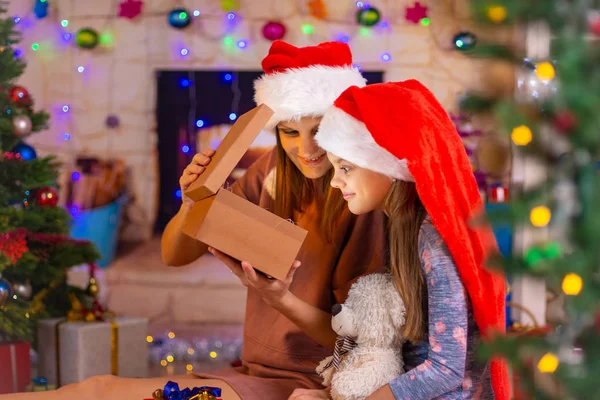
point(373, 313)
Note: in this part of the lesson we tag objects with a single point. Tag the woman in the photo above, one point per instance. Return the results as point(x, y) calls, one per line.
point(394, 149)
point(288, 325)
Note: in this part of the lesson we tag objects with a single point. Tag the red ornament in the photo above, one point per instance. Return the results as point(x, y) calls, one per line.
point(20, 95)
point(14, 244)
point(595, 26)
point(47, 196)
point(273, 30)
point(130, 8)
point(565, 121)
point(416, 13)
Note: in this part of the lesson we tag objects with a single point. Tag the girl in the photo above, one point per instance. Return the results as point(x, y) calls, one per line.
point(394, 149)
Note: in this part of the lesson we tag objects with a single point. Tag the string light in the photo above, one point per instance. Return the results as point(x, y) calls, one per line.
point(80, 69)
point(75, 176)
point(572, 284)
point(548, 363)
point(170, 358)
point(230, 16)
point(232, 116)
point(178, 193)
point(149, 339)
point(185, 148)
point(307, 29)
point(213, 354)
point(227, 40)
point(364, 31)
point(360, 4)
point(191, 351)
point(163, 363)
point(189, 367)
point(67, 136)
point(199, 123)
point(184, 52)
point(16, 20)
point(496, 14)
point(66, 108)
point(64, 23)
point(425, 21)
point(184, 82)
point(196, 13)
point(545, 71)
point(343, 38)
point(35, 47)
point(242, 44)
point(540, 216)
point(67, 36)
point(521, 135)
point(171, 335)
point(386, 57)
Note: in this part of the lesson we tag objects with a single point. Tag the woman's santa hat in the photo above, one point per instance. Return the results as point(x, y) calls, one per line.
point(304, 81)
point(399, 129)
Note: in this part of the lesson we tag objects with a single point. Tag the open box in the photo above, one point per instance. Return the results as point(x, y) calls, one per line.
point(233, 225)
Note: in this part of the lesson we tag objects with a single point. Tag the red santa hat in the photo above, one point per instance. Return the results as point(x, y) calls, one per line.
point(399, 129)
point(304, 81)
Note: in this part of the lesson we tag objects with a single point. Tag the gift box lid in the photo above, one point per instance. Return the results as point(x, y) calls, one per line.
point(230, 152)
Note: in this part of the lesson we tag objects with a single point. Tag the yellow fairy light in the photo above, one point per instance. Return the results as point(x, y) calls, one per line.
point(190, 351)
point(163, 363)
point(572, 284)
point(496, 14)
point(545, 71)
point(521, 135)
point(189, 367)
point(149, 339)
point(540, 216)
point(170, 358)
point(548, 363)
point(213, 354)
point(171, 335)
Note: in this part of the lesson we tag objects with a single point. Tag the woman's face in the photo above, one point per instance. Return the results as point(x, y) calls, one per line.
point(363, 189)
point(298, 141)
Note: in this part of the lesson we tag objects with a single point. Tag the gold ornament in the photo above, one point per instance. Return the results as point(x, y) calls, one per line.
point(92, 288)
point(496, 14)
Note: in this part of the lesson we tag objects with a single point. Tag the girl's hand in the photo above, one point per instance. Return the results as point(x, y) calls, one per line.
point(271, 290)
point(383, 393)
point(192, 172)
point(309, 394)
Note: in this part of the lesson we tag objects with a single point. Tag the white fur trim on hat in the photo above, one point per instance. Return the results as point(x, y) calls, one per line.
point(304, 92)
point(344, 136)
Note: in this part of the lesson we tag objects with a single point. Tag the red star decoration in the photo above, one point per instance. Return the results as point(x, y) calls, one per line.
point(130, 8)
point(416, 13)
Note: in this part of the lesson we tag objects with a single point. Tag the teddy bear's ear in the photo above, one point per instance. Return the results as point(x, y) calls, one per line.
point(395, 305)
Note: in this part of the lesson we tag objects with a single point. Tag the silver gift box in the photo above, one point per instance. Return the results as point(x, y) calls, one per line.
point(85, 349)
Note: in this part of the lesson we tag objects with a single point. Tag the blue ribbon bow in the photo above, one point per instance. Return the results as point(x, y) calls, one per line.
point(172, 392)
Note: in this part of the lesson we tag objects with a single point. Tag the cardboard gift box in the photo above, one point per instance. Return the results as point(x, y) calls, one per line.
point(15, 370)
point(233, 225)
point(70, 352)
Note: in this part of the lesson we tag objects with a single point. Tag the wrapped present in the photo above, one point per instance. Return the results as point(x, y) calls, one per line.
point(40, 384)
point(171, 391)
point(70, 352)
point(15, 370)
point(233, 225)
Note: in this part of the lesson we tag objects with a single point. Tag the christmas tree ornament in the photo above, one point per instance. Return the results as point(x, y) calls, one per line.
point(18, 93)
point(531, 88)
point(572, 284)
point(179, 18)
point(317, 9)
point(130, 8)
point(492, 155)
point(112, 121)
point(496, 14)
point(273, 30)
point(13, 244)
point(368, 16)
point(47, 196)
point(565, 121)
point(40, 9)
point(87, 38)
point(25, 151)
point(23, 290)
point(464, 41)
point(540, 216)
point(595, 25)
point(92, 289)
point(521, 135)
point(415, 13)
point(545, 71)
point(6, 291)
point(21, 125)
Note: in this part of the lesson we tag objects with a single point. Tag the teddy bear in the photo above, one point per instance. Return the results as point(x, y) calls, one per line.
point(368, 350)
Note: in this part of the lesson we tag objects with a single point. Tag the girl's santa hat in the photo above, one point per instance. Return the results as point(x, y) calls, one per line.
point(400, 130)
point(304, 81)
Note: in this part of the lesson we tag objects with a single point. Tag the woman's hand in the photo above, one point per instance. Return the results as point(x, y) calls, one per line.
point(271, 290)
point(309, 394)
point(383, 393)
point(192, 172)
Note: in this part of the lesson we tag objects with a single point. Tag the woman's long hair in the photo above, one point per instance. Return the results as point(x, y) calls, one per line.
point(406, 214)
point(294, 193)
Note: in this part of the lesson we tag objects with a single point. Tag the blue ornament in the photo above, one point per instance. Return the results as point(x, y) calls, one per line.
point(26, 151)
point(41, 8)
point(6, 291)
point(465, 41)
point(179, 18)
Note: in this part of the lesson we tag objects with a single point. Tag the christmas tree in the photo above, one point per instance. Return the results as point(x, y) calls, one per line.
point(551, 113)
point(34, 247)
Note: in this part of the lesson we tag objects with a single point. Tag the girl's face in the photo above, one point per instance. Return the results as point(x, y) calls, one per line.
point(298, 141)
point(363, 189)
